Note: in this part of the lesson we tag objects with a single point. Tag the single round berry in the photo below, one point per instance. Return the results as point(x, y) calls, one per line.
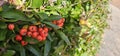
point(35, 34)
point(11, 26)
point(40, 29)
point(23, 31)
point(18, 37)
point(33, 28)
point(24, 43)
point(59, 21)
point(39, 38)
point(60, 25)
point(29, 34)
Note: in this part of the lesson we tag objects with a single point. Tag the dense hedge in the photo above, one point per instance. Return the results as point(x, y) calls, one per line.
point(69, 27)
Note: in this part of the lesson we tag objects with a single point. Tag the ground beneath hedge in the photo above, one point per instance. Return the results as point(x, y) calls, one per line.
point(111, 40)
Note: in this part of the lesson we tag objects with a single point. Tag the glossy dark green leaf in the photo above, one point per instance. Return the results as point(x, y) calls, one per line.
point(37, 3)
point(52, 25)
point(3, 34)
point(3, 25)
point(47, 47)
point(49, 37)
point(14, 15)
point(33, 50)
point(63, 36)
point(9, 53)
point(54, 17)
point(43, 16)
point(29, 40)
point(22, 52)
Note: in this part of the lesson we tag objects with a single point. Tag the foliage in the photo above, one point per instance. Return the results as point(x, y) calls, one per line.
point(79, 36)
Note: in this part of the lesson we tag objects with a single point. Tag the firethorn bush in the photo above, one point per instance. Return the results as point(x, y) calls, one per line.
point(51, 27)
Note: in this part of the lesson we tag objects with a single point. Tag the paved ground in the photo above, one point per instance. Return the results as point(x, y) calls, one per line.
point(111, 40)
point(116, 3)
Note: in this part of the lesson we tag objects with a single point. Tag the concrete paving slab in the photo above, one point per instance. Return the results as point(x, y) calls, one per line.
point(111, 40)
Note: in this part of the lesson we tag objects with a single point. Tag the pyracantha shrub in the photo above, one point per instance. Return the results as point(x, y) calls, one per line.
point(51, 27)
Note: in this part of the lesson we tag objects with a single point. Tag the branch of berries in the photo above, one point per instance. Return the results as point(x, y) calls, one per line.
point(38, 33)
point(32, 31)
point(59, 22)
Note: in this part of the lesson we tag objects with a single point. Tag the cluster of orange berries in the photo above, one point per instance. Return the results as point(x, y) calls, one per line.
point(39, 33)
point(59, 22)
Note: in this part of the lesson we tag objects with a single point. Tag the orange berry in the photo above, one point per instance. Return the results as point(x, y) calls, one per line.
point(23, 31)
point(24, 43)
point(18, 37)
point(11, 26)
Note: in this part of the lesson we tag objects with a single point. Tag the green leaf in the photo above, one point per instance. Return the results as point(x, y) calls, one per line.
point(3, 34)
point(33, 50)
point(59, 48)
point(47, 47)
point(49, 37)
point(37, 3)
point(52, 25)
point(29, 40)
point(22, 52)
point(63, 36)
point(53, 17)
point(43, 16)
point(14, 15)
point(3, 25)
point(9, 53)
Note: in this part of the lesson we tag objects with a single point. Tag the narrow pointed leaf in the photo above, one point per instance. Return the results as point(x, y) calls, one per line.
point(22, 52)
point(53, 17)
point(47, 47)
point(14, 15)
point(49, 37)
point(33, 50)
point(52, 25)
point(63, 36)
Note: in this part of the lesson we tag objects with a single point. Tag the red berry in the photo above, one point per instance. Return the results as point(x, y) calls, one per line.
point(59, 21)
point(60, 25)
point(45, 29)
point(24, 43)
point(18, 38)
point(40, 29)
point(23, 31)
point(32, 28)
point(11, 26)
point(35, 34)
point(39, 38)
point(29, 34)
